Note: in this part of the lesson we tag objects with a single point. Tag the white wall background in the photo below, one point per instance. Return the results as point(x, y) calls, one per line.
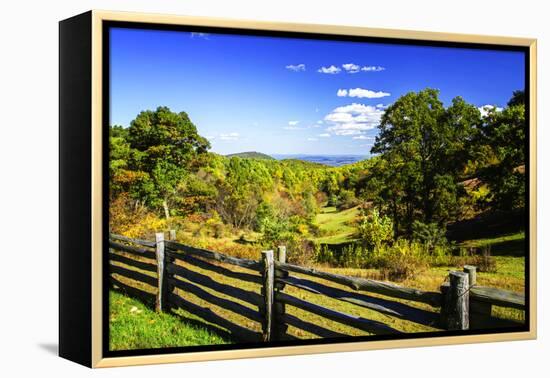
point(28, 185)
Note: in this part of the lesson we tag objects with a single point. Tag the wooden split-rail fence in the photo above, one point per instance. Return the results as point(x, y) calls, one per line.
point(165, 268)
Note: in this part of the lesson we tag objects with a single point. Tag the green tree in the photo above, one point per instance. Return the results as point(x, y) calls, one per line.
point(504, 134)
point(424, 148)
point(518, 98)
point(166, 143)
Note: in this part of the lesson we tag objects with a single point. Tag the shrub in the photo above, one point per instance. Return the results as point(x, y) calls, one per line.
point(215, 225)
point(324, 255)
point(300, 251)
point(375, 230)
point(402, 260)
point(273, 230)
point(133, 221)
point(333, 200)
point(354, 256)
point(291, 232)
point(430, 234)
point(347, 199)
point(263, 211)
point(397, 267)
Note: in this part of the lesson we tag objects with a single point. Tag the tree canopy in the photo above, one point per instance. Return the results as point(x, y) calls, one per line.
point(153, 155)
point(424, 148)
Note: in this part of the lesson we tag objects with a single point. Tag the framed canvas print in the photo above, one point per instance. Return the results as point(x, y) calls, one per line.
point(235, 189)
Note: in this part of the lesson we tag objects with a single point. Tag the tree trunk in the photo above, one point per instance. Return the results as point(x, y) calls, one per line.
point(166, 210)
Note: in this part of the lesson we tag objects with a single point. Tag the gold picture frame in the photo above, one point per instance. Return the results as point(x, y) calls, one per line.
point(86, 32)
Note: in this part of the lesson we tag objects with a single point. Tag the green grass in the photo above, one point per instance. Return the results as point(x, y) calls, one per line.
point(132, 325)
point(336, 227)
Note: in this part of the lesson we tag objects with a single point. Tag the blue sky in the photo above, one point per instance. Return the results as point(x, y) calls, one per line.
point(292, 96)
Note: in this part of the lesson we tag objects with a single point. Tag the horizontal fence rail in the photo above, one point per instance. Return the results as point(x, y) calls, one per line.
point(387, 307)
point(172, 276)
point(216, 256)
point(363, 284)
point(497, 297)
point(201, 279)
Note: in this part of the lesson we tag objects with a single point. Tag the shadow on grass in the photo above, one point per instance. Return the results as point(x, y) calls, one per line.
point(512, 248)
point(487, 225)
point(210, 328)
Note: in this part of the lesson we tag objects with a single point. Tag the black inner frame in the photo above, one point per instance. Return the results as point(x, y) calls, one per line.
point(107, 25)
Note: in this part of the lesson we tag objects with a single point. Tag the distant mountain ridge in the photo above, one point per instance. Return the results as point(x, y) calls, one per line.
point(326, 160)
point(318, 160)
point(251, 155)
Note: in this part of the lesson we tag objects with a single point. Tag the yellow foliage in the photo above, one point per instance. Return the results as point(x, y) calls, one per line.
point(128, 219)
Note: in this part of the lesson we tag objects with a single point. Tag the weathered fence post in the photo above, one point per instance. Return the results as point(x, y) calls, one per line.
point(456, 302)
point(280, 325)
point(172, 235)
point(159, 239)
point(472, 275)
point(268, 274)
point(480, 312)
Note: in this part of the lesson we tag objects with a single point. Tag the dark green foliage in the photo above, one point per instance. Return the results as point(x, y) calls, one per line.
point(424, 148)
point(518, 98)
point(504, 134)
point(431, 234)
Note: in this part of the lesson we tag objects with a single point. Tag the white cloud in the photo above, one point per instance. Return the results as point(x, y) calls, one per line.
point(200, 35)
point(229, 136)
point(353, 119)
point(293, 125)
point(324, 135)
point(361, 93)
point(332, 70)
point(351, 68)
point(312, 139)
point(296, 67)
point(363, 137)
point(485, 109)
point(372, 68)
point(342, 93)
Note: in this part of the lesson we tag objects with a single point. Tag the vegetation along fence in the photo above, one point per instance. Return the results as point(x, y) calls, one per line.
point(165, 274)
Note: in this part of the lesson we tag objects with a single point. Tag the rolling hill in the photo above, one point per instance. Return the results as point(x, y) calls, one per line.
point(250, 155)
